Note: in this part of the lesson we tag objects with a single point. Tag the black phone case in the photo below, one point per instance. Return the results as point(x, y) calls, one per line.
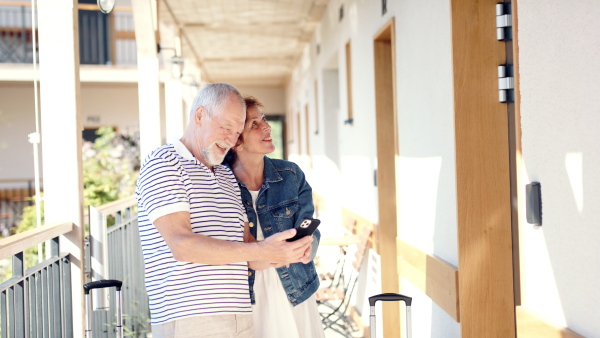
point(305, 230)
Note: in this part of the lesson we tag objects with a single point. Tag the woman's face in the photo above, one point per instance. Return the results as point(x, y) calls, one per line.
point(257, 133)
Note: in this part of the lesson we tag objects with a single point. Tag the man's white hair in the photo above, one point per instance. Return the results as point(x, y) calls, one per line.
point(212, 96)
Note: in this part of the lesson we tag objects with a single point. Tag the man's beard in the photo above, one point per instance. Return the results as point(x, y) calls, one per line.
point(211, 156)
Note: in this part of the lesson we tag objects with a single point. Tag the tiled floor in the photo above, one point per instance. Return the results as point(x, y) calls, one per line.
point(332, 334)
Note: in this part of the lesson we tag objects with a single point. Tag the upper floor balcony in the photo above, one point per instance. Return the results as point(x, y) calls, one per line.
point(103, 39)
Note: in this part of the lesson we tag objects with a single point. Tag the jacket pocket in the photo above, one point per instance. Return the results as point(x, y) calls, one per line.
point(285, 211)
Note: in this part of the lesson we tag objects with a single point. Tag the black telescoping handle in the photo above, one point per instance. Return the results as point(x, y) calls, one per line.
point(390, 297)
point(100, 284)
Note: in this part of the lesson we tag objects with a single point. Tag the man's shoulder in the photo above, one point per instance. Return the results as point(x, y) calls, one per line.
point(166, 152)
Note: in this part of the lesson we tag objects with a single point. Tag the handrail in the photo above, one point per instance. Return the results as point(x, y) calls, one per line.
point(20, 242)
point(16, 180)
point(87, 7)
point(118, 205)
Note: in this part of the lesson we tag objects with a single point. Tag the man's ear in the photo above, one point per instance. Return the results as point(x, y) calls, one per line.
point(198, 115)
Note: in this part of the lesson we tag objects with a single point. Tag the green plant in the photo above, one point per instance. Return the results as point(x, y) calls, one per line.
point(110, 168)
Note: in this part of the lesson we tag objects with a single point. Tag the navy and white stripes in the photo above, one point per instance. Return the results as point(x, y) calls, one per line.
point(172, 180)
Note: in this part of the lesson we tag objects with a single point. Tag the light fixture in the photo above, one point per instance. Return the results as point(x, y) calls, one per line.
point(106, 6)
point(192, 83)
point(176, 61)
point(177, 66)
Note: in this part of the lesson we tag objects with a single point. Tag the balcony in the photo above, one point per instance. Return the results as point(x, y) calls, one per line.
point(36, 300)
point(103, 39)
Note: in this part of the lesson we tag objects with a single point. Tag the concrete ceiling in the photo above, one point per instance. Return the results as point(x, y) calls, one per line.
point(244, 42)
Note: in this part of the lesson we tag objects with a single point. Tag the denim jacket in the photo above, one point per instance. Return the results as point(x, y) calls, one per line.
point(284, 200)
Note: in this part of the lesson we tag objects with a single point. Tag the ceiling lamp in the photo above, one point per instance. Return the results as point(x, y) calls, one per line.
point(106, 6)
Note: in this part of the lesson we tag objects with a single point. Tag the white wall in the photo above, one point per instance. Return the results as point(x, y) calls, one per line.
point(560, 116)
point(272, 97)
point(427, 200)
point(17, 120)
point(102, 104)
point(111, 104)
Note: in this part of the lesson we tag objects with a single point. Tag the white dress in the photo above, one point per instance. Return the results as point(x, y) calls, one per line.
point(274, 316)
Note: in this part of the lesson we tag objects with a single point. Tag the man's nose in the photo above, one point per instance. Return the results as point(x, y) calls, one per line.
point(231, 139)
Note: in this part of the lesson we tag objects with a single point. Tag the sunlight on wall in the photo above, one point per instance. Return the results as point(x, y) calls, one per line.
point(357, 188)
point(325, 180)
point(421, 317)
point(540, 287)
point(574, 166)
point(418, 194)
point(539, 291)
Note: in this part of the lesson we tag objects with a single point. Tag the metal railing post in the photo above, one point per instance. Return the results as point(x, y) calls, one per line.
point(99, 253)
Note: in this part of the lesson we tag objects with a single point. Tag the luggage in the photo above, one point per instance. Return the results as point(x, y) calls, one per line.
point(107, 283)
point(390, 297)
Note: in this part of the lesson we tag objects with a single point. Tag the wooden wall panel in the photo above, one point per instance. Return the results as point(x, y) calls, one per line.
point(349, 81)
point(437, 278)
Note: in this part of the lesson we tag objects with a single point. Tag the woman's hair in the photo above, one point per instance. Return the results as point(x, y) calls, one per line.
point(231, 156)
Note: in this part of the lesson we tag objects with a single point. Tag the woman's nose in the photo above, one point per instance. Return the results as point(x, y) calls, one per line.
point(267, 126)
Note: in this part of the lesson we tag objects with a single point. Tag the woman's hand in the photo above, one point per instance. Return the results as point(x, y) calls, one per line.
point(306, 258)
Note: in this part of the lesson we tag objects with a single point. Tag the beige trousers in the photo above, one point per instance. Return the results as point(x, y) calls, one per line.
point(216, 326)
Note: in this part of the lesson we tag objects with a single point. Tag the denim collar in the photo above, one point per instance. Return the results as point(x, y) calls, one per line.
point(271, 174)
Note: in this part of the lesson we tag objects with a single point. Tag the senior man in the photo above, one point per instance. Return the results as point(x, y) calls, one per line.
point(191, 227)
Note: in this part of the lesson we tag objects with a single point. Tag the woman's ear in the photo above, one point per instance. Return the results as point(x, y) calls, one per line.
point(239, 143)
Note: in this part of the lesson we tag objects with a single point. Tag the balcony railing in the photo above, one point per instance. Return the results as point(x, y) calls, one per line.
point(36, 302)
point(116, 253)
point(15, 34)
point(103, 39)
point(15, 195)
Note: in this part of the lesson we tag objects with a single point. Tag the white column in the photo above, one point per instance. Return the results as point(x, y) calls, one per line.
point(174, 109)
point(144, 13)
point(61, 135)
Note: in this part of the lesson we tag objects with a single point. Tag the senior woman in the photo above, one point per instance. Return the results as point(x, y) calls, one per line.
point(276, 197)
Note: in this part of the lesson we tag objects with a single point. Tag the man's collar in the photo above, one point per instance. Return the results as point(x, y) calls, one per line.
point(182, 150)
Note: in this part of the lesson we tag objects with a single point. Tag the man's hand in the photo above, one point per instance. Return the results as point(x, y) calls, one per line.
point(277, 250)
point(259, 265)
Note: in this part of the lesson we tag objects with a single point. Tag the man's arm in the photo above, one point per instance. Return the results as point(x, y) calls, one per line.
point(188, 246)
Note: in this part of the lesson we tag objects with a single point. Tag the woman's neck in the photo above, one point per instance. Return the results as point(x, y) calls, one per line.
point(250, 170)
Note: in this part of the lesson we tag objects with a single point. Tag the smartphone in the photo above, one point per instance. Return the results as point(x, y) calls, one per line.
point(306, 228)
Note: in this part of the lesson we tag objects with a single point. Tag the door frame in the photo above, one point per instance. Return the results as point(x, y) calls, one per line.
point(483, 182)
point(386, 232)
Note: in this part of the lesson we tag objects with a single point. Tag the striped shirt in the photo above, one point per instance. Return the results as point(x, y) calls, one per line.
point(172, 180)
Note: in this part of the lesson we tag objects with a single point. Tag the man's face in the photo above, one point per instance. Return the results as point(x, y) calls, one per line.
point(214, 137)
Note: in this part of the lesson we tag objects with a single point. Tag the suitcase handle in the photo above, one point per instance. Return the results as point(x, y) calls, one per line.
point(390, 297)
point(100, 284)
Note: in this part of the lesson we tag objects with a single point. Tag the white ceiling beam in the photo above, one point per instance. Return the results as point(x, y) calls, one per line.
point(258, 59)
